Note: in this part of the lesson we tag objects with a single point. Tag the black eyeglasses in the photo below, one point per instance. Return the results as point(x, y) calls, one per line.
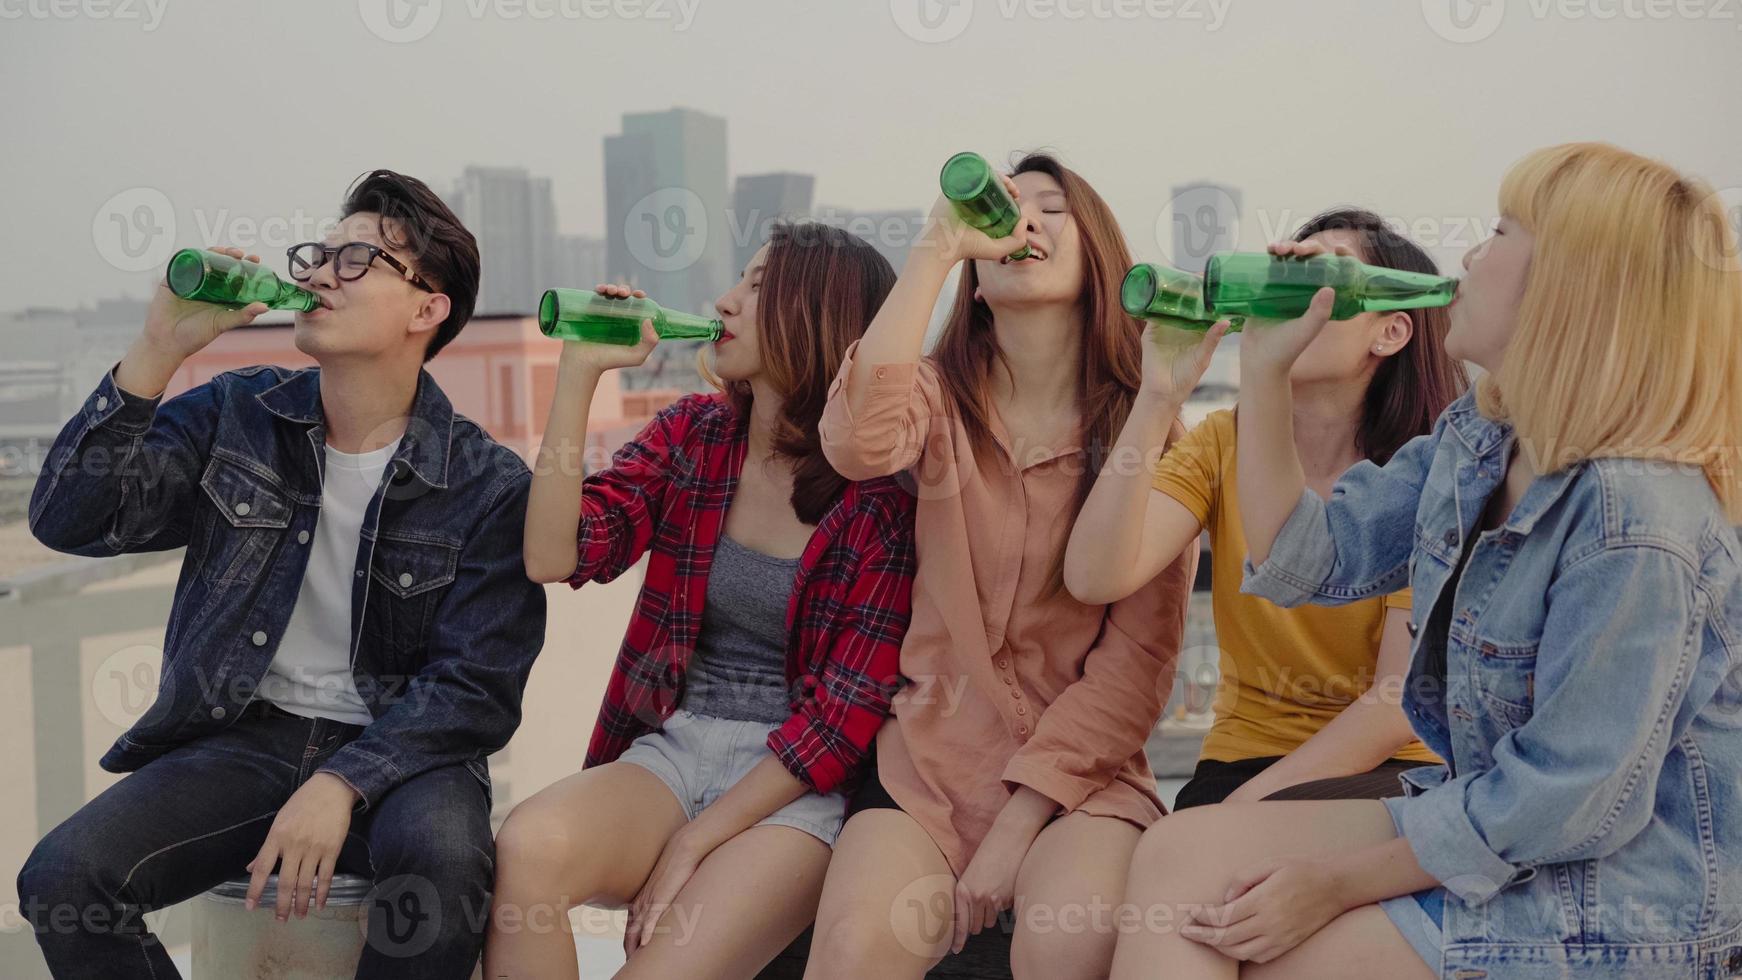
point(354, 259)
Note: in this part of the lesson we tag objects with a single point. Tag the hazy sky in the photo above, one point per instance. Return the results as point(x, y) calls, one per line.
point(249, 120)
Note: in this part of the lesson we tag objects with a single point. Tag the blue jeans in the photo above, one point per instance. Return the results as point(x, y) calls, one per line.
point(195, 816)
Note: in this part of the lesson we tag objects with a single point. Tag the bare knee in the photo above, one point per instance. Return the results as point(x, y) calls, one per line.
point(862, 941)
point(1185, 849)
point(538, 848)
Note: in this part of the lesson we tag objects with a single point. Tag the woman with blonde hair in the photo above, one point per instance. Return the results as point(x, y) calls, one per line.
point(1568, 531)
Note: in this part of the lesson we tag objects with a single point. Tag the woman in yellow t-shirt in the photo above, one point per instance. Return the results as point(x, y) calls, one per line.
point(1307, 695)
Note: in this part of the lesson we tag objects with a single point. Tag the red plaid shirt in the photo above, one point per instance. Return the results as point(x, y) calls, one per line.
point(667, 491)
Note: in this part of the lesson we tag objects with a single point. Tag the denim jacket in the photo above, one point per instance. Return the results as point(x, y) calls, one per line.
point(1589, 820)
point(444, 622)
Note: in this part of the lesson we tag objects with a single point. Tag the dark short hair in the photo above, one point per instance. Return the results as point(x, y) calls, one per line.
point(426, 229)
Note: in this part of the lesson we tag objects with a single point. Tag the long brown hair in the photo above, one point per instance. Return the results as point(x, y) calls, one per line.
point(1110, 360)
point(820, 288)
point(1412, 387)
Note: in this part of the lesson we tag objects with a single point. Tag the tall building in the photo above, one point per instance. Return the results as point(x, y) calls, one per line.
point(513, 216)
point(665, 206)
point(759, 200)
point(580, 262)
point(1206, 220)
point(891, 233)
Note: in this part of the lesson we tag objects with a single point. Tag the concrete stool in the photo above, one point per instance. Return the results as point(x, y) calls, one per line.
point(232, 943)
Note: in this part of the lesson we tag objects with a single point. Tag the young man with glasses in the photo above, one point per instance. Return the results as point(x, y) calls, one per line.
point(353, 626)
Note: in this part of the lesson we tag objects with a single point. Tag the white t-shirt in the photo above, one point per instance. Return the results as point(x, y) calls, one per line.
point(311, 672)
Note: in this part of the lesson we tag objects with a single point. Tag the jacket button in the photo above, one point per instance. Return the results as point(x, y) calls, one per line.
point(1021, 730)
point(259, 638)
point(405, 580)
point(102, 402)
point(218, 713)
point(1451, 537)
point(302, 537)
point(243, 508)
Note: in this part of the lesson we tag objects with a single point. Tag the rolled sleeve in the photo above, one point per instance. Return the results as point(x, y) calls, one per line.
point(1102, 720)
point(1300, 560)
point(888, 433)
point(1448, 846)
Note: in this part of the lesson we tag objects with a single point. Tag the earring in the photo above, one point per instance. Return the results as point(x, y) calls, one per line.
point(1378, 349)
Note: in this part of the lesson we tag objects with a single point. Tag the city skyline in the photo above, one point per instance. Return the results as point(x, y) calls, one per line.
point(1387, 107)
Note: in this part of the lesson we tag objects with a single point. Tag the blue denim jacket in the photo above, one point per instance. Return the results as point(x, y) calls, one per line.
point(444, 622)
point(1589, 820)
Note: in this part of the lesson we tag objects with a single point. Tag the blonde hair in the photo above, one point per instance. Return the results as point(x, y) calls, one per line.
point(1629, 336)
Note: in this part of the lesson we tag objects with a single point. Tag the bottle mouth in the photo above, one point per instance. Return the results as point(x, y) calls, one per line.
point(964, 176)
point(187, 269)
point(1138, 290)
point(547, 305)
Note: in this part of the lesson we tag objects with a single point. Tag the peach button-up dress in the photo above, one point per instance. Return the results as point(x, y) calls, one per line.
point(1007, 683)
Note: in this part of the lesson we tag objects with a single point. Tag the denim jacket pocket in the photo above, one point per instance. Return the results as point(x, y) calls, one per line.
point(410, 573)
point(1505, 679)
point(253, 512)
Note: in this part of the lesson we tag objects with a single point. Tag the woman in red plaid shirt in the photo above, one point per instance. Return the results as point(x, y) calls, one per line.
point(764, 648)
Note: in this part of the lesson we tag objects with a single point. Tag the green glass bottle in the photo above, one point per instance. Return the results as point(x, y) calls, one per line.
point(213, 277)
point(581, 314)
point(979, 197)
point(1258, 284)
point(1170, 296)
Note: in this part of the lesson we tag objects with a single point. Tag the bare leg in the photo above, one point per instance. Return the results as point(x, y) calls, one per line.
point(1068, 895)
point(747, 901)
point(592, 838)
point(887, 903)
point(1190, 859)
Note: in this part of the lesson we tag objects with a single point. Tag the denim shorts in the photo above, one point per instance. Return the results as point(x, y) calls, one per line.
point(700, 757)
point(1418, 916)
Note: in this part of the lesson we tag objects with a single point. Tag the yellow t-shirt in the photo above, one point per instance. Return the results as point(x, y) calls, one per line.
point(1285, 673)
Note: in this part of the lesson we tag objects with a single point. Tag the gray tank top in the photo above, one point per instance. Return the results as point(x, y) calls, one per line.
point(739, 668)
